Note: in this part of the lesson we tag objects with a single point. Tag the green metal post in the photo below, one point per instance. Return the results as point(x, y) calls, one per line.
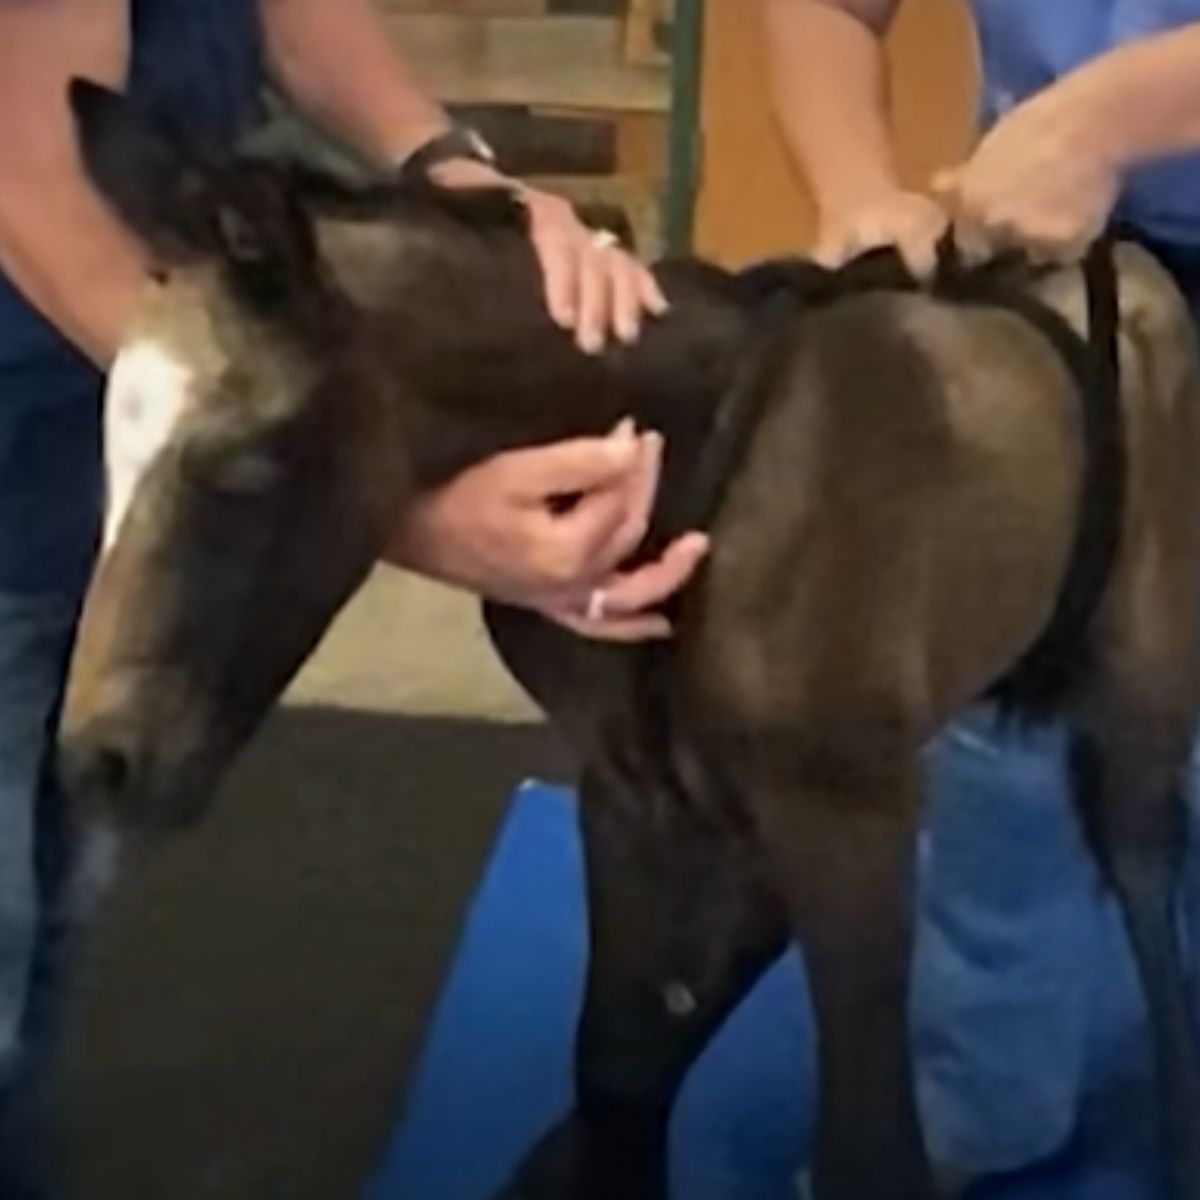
point(687, 43)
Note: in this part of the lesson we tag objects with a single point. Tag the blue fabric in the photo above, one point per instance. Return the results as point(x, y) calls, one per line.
point(36, 631)
point(1024, 45)
point(1072, 1049)
point(1023, 975)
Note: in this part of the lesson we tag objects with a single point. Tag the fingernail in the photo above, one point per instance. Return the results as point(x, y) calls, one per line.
point(628, 329)
point(590, 341)
point(623, 430)
point(659, 305)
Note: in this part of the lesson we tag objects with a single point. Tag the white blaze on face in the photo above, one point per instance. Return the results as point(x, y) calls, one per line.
point(148, 391)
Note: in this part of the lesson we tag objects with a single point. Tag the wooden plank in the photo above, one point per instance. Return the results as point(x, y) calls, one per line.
point(647, 32)
point(642, 147)
point(564, 62)
point(587, 8)
point(469, 8)
point(530, 141)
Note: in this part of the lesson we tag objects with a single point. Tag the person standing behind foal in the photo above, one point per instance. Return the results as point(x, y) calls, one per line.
point(1090, 110)
point(69, 281)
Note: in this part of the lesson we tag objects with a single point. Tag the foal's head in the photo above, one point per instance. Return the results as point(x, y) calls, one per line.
point(257, 424)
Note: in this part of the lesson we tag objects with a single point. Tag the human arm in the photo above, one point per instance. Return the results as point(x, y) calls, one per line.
point(828, 82)
point(492, 530)
point(335, 60)
point(495, 529)
point(59, 243)
point(1047, 175)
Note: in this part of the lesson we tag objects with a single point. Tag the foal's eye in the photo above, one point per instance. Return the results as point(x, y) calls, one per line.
point(227, 469)
point(251, 473)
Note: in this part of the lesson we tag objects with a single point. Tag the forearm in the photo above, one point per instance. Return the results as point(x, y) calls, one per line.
point(76, 266)
point(334, 59)
point(1140, 102)
point(58, 243)
point(828, 83)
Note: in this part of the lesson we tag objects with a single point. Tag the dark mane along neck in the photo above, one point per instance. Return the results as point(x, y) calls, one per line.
point(491, 371)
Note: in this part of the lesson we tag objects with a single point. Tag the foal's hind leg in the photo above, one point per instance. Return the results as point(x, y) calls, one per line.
point(680, 931)
point(1128, 761)
point(842, 832)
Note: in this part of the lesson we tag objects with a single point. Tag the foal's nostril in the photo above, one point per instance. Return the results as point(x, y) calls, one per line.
point(109, 769)
point(96, 769)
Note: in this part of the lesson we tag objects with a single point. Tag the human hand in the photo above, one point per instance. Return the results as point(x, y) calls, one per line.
point(592, 286)
point(911, 222)
point(1040, 181)
point(504, 529)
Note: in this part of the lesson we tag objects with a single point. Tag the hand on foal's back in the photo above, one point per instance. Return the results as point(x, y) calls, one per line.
point(593, 288)
point(500, 529)
point(910, 221)
point(1042, 180)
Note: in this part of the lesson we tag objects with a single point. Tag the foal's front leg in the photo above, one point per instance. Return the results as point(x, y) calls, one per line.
point(681, 928)
point(842, 843)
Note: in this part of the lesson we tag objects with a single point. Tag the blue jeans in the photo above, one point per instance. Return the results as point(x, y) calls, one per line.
point(36, 631)
point(49, 507)
point(1023, 980)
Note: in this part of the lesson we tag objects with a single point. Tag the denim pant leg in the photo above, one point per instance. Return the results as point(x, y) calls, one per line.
point(1190, 915)
point(36, 632)
point(1008, 910)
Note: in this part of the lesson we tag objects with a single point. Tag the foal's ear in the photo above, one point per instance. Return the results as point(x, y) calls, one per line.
point(142, 171)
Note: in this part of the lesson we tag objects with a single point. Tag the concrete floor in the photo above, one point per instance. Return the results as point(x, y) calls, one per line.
point(253, 1001)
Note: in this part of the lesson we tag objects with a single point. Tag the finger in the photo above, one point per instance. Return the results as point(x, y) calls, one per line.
point(594, 276)
point(576, 466)
point(945, 184)
point(592, 543)
point(626, 298)
point(654, 299)
point(918, 246)
point(975, 244)
point(560, 273)
point(1062, 239)
point(640, 490)
point(626, 630)
point(569, 550)
point(631, 593)
point(919, 252)
point(1046, 251)
point(834, 251)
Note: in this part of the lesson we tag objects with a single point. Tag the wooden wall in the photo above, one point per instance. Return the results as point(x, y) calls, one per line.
point(573, 93)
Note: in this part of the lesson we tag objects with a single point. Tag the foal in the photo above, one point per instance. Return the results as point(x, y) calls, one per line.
point(890, 538)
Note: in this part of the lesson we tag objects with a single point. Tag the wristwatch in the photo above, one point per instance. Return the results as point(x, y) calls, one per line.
point(459, 141)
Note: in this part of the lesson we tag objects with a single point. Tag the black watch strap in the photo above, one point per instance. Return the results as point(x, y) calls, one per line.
point(458, 141)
